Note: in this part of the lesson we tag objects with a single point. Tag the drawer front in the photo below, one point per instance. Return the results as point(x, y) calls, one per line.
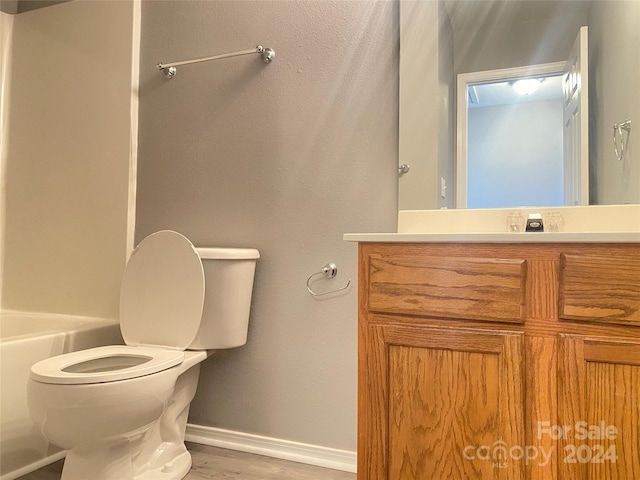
point(600, 289)
point(485, 289)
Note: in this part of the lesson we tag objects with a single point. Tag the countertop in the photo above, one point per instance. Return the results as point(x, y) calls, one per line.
point(497, 237)
point(582, 224)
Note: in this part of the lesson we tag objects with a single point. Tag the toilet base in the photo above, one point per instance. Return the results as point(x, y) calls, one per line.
point(105, 463)
point(115, 461)
point(164, 455)
point(153, 451)
point(174, 470)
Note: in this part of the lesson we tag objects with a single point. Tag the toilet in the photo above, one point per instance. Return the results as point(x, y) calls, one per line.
point(121, 411)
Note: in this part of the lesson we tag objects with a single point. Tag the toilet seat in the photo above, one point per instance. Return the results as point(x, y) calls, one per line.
point(161, 301)
point(105, 364)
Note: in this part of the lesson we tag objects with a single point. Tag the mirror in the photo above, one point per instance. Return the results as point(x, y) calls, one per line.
point(441, 41)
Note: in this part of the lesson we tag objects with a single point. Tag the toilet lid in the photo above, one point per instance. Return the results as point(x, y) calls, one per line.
point(162, 292)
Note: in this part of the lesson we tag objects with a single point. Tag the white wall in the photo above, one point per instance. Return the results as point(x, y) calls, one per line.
point(515, 155)
point(285, 158)
point(70, 144)
point(614, 64)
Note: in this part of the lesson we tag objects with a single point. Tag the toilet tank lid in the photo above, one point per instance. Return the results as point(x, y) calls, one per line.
point(217, 253)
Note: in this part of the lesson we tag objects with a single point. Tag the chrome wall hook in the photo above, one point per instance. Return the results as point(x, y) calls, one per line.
point(329, 271)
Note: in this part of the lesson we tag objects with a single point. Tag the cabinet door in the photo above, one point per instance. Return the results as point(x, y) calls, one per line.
point(440, 403)
point(599, 409)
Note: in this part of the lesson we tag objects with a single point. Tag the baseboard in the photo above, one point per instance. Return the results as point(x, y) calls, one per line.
point(344, 460)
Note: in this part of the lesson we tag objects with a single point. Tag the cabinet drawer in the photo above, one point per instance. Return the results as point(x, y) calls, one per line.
point(600, 289)
point(486, 289)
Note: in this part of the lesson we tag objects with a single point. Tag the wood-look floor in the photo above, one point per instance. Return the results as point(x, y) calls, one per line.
point(217, 463)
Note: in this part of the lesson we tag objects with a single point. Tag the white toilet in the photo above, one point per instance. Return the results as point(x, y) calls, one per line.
point(121, 411)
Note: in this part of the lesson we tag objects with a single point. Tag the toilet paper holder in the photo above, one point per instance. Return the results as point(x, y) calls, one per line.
point(329, 271)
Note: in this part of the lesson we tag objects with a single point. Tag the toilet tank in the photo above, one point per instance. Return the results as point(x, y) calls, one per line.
point(228, 276)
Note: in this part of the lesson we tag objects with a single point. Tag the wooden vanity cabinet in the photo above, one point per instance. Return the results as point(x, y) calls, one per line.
point(499, 361)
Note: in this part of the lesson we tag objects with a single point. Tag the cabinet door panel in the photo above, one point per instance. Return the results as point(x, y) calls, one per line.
point(599, 402)
point(453, 402)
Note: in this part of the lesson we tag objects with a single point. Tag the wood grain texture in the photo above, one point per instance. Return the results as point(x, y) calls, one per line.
point(600, 288)
point(369, 460)
point(465, 288)
point(372, 407)
point(573, 370)
point(571, 405)
point(600, 386)
point(542, 289)
point(444, 390)
point(541, 404)
point(614, 399)
point(426, 408)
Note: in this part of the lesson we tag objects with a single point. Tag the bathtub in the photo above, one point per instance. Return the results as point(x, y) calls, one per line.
point(26, 338)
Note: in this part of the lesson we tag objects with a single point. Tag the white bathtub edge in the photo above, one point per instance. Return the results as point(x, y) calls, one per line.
point(32, 467)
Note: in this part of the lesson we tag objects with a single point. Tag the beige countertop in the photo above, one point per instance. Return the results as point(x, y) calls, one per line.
point(489, 237)
point(582, 224)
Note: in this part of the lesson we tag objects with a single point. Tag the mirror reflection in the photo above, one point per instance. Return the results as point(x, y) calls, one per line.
point(514, 140)
point(515, 159)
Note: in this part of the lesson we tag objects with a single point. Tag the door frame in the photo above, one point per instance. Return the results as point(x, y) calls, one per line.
point(462, 100)
point(575, 117)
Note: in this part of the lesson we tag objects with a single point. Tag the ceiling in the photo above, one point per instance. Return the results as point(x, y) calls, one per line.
point(503, 93)
point(469, 15)
point(21, 6)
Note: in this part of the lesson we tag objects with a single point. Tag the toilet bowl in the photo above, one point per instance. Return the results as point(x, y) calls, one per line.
point(121, 410)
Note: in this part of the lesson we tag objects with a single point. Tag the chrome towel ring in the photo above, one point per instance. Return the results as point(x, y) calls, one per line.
point(618, 131)
point(330, 270)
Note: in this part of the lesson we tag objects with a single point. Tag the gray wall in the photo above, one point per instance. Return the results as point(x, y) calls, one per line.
point(285, 158)
point(614, 76)
point(427, 94)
